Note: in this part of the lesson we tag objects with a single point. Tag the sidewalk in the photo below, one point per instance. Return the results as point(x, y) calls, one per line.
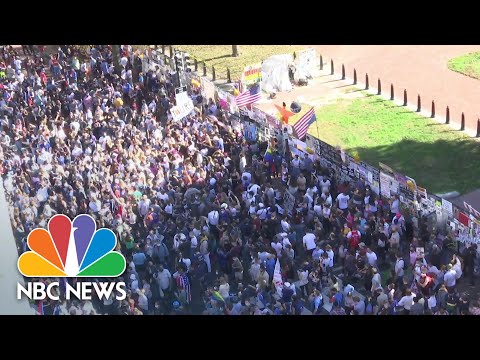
point(9, 275)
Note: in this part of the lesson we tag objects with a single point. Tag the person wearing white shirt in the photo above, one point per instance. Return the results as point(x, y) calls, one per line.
point(407, 300)
point(262, 213)
point(213, 217)
point(296, 162)
point(285, 241)
point(432, 269)
point(450, 277)
point(224, 288)
point(395, 207)
point(253, 188)
point(309, 198)
point(285, 225)
point(144, 205)
point(327, 199)
point(142, 300)
point(317, 253)
point(324, 184)
point(371, 258)
point(88, 308)
point(277, 246)
point(164, 278)
point(457, 266)
point(134, 283)
point(169, 209)
point(193, 241)
point(326, 211)
point(399, 268)
point(309, 242)
point(317, 208)
point(186, 261)
point(342, 200)
point(376, 280)
point(42, 194)
point(331, 255)
point(246, 178)
point(303, 281)
point(162, 195)
point(48, 211)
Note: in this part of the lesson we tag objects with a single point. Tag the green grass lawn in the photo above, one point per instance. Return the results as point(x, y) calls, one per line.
point(220, 56)
point(437, 157)
point(468, 64)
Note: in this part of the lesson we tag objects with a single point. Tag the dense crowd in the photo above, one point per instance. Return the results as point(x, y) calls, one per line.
point(198, 211)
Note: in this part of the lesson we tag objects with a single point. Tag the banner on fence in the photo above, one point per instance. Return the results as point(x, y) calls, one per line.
point(273, 122)
point(386, 184)
point(471, 210)
point(208, 89)
point(252, 74)
point(447, 207)
point(372, 177)
point(259, 116)
point(422, 192)
point(250, 132)
point(403, 186)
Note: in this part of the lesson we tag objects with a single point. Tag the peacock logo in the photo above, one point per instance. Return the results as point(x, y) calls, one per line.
point(71, 249)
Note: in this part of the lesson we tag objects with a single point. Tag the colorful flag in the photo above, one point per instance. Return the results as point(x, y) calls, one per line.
point(216, 296)
point(302, 125)
point(284, 113)
point(249, 97)
point(183, 283)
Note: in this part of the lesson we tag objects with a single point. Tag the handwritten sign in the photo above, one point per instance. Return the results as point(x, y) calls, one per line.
point(288, 201)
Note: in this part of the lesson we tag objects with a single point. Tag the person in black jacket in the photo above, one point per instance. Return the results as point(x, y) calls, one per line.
point(469, 263)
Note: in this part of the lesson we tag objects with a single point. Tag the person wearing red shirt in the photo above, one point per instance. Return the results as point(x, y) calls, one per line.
point(354, 238)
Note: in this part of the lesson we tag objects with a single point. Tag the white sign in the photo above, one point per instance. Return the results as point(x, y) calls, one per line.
point(306, 63)
point(180, 111)
point(385, 181)
point(288, 201)
point(447, 206)
point(208, 89)
point(370, 177)
point(181, 95)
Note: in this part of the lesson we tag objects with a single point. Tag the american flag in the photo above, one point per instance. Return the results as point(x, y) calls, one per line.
point(183, 283)
point(301, 126)
point(249, 97)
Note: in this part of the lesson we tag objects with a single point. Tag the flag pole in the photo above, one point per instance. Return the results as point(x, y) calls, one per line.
point(316, 123)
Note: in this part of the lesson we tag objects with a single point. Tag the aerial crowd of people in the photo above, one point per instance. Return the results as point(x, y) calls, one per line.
point(199, 211)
